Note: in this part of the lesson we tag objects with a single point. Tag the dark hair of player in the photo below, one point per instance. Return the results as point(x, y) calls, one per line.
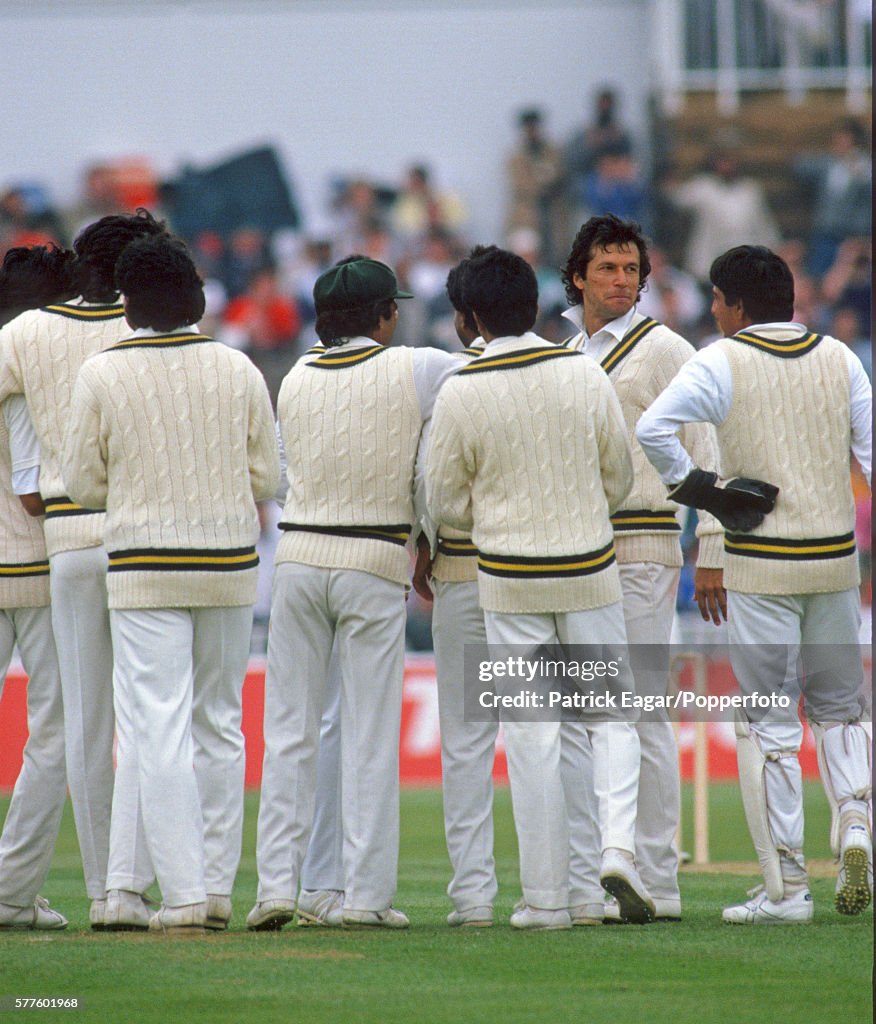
point(34, 276)
point(99, 246)
point(501, 288)
point(160, 283)
point(759, 278)
point(455, 281)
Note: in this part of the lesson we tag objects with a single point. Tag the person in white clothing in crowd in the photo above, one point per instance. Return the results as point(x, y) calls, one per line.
point(172, 433)
point(789, 406)
point(528, 452)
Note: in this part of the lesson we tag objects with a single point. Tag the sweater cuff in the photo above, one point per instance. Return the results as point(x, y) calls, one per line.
point(711, 551)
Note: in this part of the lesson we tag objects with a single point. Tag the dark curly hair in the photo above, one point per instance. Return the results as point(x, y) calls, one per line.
point(597, 233)
point(99, 246)
point(160, 283)
point(455, 285)
point(34, 276)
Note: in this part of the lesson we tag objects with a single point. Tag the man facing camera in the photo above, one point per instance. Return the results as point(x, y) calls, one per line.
point(529, 453)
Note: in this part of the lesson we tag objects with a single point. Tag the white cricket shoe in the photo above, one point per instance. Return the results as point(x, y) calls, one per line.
point(270, 915)
point(126, 911)
point(796, 909)
point(619, 877)
point(389, 918)
point(188, 919)
point(584, 914)
point(471, 917)
point(96, 914)
point(854, 884)
point(321, 908)
point(665, 909)
point(218, 912)
point(541, 920)
point(39, 916)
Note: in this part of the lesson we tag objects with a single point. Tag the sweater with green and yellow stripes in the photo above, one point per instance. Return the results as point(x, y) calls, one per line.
point(789, 424)
point(41, 352)
point(646, 526)
point(173, 435)
point(528, 451)
point(24, 566)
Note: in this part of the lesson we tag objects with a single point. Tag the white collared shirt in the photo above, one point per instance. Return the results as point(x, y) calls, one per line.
point(598, 345)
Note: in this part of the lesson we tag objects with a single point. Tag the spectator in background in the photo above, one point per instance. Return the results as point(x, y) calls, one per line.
point(419, 210)
point(846, 325)
point(849, 282)
point(727, 210)
point(246, 253)
point(615, 185)
point(551, 293)
point(585, 146)
point(536, 181)
point(842, 180)
point(671, 296)
point(27, 218)
point(356, 208)
point(264, 323)
point(298, 275)
point(99, 199)
point(431, 314)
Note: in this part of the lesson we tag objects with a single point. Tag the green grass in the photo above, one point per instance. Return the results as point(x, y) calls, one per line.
point(695, 971)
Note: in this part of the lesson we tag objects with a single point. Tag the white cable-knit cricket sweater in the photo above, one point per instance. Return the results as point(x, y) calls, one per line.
point(24, 567)
point(350, 421)
point(529, 451)
point(173, 434)
point(41, 352)
point(789, 424)
point(646, 526)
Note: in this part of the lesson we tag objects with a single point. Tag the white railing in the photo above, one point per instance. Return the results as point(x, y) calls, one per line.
point(731, 46)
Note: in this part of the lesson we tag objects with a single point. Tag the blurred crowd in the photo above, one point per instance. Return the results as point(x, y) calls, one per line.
point(259, 282)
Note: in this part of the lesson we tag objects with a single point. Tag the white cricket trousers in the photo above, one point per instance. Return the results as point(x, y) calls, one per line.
point(533, 750)
point(468, 749)
point(179, 678)
point(649, 592)
point(311, 609)
point(759, 627)
point(34, 816)
point(323, 866)
point(80, 621)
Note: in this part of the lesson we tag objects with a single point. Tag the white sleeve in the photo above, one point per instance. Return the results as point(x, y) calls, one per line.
point(423, 521)
point(24, 446)
point(701, 392)
point(283, 485)
point(432, 367)
point(861, 407)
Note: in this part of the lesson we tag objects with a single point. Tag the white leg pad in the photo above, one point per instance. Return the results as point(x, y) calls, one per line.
point(752, 764)
point(818, 733)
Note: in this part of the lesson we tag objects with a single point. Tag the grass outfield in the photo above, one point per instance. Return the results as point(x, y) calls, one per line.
point(697, 971)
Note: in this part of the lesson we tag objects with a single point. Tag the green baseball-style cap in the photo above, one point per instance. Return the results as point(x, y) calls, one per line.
point(357, 283)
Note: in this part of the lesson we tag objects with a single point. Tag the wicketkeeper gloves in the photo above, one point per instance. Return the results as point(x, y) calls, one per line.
point(739, 504)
